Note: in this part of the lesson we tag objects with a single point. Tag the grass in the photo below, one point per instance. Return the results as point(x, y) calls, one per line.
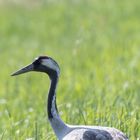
point(97, 46)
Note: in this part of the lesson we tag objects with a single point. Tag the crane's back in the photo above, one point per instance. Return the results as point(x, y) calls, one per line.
point(94, 133)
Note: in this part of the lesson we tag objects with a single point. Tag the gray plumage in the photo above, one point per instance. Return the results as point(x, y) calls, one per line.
point(97, 133)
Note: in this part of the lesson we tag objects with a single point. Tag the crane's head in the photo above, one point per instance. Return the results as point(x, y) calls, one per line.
point(41, 64)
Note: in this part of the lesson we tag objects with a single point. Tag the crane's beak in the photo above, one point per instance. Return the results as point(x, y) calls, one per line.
point(23, 70)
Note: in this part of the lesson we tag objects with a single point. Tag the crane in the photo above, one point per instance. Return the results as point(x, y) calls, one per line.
point(62, 130)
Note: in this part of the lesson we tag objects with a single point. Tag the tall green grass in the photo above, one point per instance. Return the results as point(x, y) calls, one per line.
point(96, 44)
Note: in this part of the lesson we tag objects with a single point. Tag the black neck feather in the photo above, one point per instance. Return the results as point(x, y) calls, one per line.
point(52, 93)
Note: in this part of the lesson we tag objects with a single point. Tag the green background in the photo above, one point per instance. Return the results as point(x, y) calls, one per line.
point(97, 45)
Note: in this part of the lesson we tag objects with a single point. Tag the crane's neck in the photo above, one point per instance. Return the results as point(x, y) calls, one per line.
point(59, 127)
point(52, 108)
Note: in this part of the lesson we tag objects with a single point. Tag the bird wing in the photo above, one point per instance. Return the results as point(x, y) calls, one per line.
point(95, 134)
point(83, 134)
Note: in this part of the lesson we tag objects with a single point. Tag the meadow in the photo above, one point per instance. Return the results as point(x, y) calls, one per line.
point(97, 45)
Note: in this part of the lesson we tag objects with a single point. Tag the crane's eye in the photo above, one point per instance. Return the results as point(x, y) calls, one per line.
point(37, 62)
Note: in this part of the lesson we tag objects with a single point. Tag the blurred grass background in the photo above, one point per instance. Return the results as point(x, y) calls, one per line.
point(96, 43)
